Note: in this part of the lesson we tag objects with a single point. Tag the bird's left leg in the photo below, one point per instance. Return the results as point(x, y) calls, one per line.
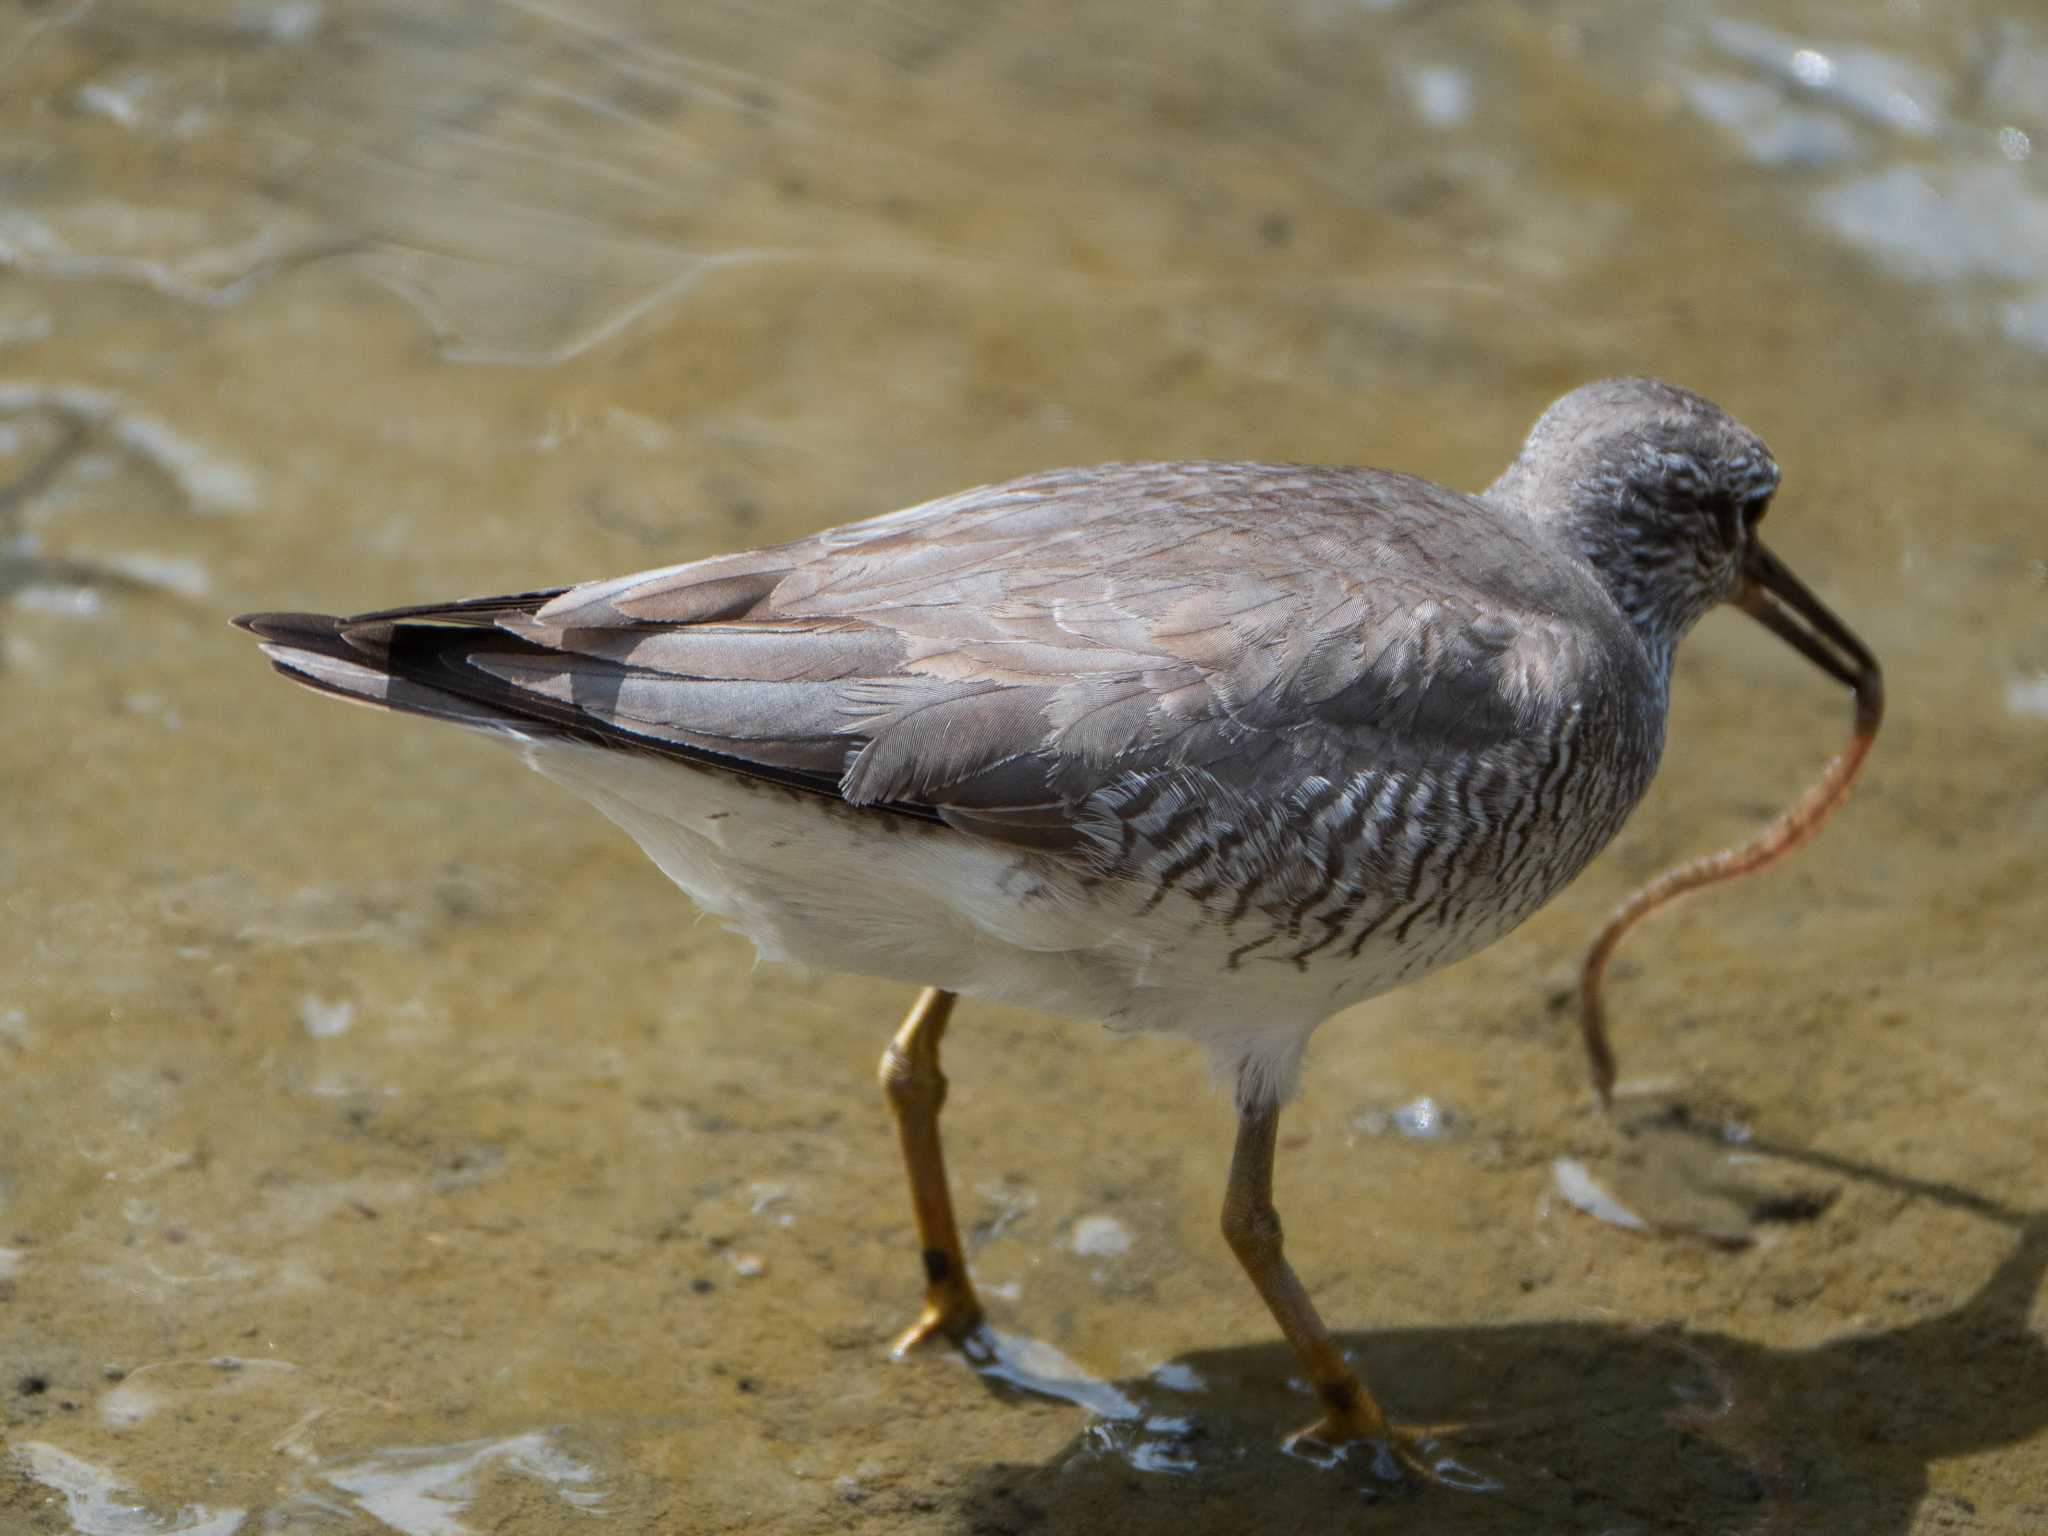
point(916, 1089)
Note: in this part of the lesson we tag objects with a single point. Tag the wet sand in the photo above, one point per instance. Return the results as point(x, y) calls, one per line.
point(386, 1141)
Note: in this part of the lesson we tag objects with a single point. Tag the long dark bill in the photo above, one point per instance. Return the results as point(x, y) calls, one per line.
point(1779, 601)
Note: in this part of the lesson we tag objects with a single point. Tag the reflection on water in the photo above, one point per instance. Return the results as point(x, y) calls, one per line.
point(414, 1490)
point(1031, 1365)
point(386, 1145)
point(1585, 1192)
point(97, 1505)
point(422, 1490)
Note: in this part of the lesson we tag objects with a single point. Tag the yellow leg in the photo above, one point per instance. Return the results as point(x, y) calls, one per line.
point(916, 1089)
point(1252, 1228)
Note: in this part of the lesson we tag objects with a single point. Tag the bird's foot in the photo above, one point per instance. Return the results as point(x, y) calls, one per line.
point(954, 1314)
point(1399, 1449)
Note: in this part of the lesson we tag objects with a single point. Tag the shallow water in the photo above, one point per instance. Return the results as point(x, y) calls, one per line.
point(385, 1142)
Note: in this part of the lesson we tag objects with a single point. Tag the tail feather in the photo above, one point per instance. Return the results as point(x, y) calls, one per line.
point(398, 659)
point(425, 661)
point(478, 612)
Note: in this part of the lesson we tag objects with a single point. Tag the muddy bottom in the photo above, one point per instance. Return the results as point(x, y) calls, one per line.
point(387, 1146)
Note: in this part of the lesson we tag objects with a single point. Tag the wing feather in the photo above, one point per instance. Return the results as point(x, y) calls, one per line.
point(1003, 657)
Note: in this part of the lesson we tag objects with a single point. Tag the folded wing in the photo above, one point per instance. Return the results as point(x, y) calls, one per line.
point(998, 658)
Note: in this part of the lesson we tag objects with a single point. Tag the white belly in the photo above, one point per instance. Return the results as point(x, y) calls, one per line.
point(819, 884)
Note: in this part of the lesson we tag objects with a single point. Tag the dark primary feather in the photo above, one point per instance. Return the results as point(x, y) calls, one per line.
point(426, 668)
point(997, 658)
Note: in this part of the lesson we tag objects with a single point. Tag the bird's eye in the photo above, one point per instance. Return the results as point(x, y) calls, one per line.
point(1730, 515)
point(1753, 509)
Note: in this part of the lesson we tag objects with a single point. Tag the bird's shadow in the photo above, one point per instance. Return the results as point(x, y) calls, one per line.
point(1573, 1426)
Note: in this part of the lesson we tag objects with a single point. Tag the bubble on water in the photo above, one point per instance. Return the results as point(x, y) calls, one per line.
point(1868, 83)
point(1443, 95)
point(130, 1403)
point(1176, 1377)
point(1812, 68)
point(293, 21)
point(1420, 1119)
point(2028, 696)
point(1424, 1119)
point(120, 103)
point(1100, 1237)
point(324, 1020)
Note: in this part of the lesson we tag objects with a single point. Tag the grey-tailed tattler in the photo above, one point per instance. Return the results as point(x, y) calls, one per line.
point(1209, 749)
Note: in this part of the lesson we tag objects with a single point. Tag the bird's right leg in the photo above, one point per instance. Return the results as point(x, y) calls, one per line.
point(916, 1089)
point(1252, 1228)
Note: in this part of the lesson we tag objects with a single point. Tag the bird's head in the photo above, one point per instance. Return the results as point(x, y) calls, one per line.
point(1661, 491)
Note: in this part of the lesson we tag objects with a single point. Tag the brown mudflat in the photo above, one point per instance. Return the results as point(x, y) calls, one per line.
point(425, 1232)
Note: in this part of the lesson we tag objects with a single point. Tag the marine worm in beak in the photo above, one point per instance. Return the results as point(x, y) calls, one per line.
point(1789, 831)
